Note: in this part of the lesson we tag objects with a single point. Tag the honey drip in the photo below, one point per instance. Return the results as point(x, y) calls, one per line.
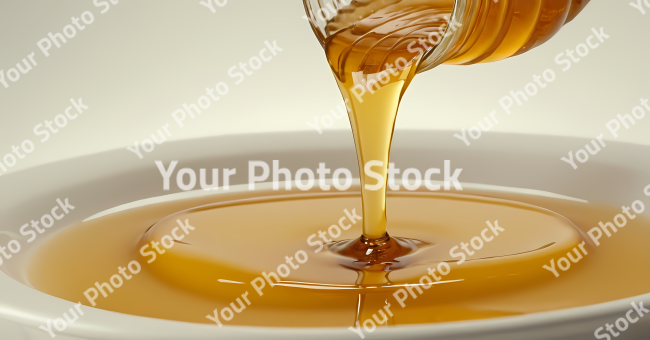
point(373, 56)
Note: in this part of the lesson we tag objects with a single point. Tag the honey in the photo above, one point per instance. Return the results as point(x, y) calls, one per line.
point(239, 237)
point(296, 258)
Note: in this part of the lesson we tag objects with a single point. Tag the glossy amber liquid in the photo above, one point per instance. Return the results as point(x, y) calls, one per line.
point(370, 38)
point(373, 67)
point(238, 236)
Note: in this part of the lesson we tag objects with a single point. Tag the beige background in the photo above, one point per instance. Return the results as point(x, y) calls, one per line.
point(141, 60)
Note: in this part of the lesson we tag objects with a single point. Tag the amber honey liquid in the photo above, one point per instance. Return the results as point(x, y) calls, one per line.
point(238, 237)
point(374, 60)
point(373, 67)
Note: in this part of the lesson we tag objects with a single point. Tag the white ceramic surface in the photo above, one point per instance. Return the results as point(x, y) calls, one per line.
point(99, 182)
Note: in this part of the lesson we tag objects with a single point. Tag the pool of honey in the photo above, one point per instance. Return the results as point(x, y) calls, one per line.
point(236, 237)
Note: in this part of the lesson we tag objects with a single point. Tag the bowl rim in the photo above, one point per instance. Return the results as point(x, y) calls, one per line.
point(29, 308)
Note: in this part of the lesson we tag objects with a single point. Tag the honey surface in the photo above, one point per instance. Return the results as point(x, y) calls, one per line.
point(235, 241)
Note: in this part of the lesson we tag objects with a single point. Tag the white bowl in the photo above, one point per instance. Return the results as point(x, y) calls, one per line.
point(102, 181)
